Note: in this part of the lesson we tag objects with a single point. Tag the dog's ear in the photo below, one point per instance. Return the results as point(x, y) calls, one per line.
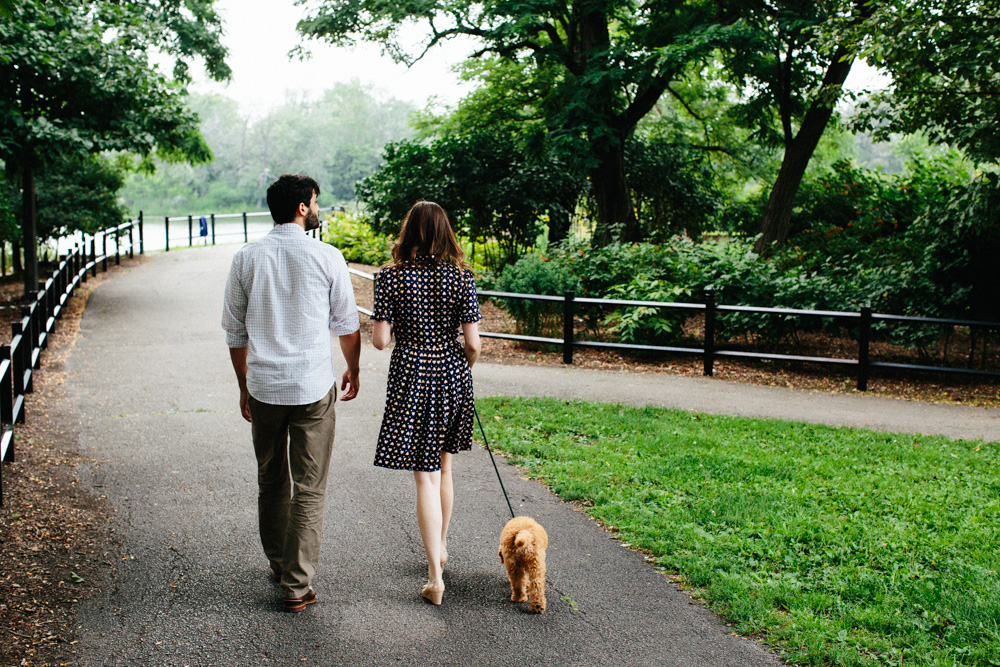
point(500, 553)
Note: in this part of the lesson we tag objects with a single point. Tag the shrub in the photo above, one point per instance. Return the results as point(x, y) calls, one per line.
point(534, 274)
point(357, 241)
point(648, 325)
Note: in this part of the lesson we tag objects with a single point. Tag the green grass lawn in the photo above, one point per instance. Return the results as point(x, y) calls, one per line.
point(839, 546)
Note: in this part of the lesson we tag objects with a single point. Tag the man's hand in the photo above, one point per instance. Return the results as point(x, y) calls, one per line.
point(350, 345)
point(350, 379)
point(238, 355)
point(245, 403)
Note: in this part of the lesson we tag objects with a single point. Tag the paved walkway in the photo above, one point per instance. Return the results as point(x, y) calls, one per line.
point(151, 384)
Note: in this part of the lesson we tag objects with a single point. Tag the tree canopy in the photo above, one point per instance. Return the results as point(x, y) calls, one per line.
point(76, 79)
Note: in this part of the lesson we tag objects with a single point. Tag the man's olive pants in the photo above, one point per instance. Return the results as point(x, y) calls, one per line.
point(293, 445)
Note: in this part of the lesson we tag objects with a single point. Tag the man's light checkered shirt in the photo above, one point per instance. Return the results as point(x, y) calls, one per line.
point(286, 292)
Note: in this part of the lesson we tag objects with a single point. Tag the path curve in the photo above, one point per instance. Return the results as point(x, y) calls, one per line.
point(151, 384)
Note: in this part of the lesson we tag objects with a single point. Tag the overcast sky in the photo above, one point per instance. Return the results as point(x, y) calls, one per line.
point(260, 33)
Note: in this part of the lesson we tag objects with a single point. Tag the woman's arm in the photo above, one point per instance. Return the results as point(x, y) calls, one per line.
point(381, 334)
point(472, 342)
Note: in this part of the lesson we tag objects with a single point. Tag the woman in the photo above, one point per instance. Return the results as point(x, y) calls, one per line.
point(422, 298)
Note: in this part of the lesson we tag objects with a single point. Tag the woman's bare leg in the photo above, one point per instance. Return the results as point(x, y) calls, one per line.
point(429, 521)
point(447, 500)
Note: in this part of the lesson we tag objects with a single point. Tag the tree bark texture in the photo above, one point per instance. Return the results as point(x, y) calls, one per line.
point(798, 151)
point(611, 193)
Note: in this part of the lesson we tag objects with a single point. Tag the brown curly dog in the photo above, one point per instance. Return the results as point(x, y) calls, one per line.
point(522, 550)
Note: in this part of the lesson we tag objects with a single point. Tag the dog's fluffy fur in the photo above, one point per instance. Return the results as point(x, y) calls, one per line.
point(522, 551)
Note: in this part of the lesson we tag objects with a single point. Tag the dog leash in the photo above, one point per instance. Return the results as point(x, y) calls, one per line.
point(487, 443)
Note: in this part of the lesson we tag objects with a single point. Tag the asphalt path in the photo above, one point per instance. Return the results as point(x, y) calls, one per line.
point(151, 384)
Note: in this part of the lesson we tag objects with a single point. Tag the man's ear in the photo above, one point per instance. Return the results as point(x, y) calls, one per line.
point(303, 210)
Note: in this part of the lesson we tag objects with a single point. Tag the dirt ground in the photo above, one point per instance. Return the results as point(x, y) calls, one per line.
point(55, 544)
point(56, 547)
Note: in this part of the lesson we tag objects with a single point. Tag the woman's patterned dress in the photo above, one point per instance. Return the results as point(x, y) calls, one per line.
point(429, 402)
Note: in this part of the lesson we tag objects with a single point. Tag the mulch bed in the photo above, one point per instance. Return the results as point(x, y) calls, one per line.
point(56, 547)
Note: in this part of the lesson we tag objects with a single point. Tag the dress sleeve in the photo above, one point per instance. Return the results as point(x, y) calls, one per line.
point(383, 305)
point(470, 303)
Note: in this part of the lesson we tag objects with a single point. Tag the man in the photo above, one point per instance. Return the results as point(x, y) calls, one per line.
point(285, 294)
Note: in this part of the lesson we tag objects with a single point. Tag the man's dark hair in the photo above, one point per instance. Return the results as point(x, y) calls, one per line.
point(286, 193)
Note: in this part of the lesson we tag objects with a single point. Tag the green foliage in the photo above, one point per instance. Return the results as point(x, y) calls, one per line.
point(534, 274)
point(489, 187)
point(646, 325)
point(579, 78)
point(76, 194)
point(942, 56)
point(355, 238)
point(837, 546)
point(672, 189)
point(337, 139)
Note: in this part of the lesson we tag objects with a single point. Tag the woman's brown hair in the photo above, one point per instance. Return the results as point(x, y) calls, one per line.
point(427, 232)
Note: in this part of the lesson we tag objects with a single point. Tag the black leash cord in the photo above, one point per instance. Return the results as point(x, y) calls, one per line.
point(487, 443)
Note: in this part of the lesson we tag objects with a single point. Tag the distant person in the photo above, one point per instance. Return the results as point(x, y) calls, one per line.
point(286, 293)
point(423, 298)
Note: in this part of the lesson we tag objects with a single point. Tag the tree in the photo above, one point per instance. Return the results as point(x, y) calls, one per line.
point(944, 60)
point(594, 68)
point(76, 79)
point(487, 184)
point(793, 77)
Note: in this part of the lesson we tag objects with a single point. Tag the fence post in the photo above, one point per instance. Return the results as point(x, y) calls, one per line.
point(190, 231)
point(568, 327)
point(18, 364)
point(245, 237)
point(118, 246)
point(141, 247)
point(864, 342)
point(213, 229)
point(131, 244)
point(104, 251)
point(93, 256)
point(709, 363)
point(7, 393)
point(166, 233)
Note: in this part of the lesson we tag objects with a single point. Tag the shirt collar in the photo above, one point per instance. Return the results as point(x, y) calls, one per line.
point(287, 229)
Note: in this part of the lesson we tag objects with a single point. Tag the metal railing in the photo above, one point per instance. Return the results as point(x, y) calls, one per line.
point(206, 226)
point(30, 335)
point(710, 350)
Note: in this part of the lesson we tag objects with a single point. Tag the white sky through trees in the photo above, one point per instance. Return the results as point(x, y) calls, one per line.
point(260, 33)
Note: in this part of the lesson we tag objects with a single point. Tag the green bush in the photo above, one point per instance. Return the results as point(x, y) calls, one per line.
point(648, 325)
point(357, 241)
point(535, 274)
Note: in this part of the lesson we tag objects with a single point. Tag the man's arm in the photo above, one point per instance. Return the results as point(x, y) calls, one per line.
point(238, 355)
point(350, 345)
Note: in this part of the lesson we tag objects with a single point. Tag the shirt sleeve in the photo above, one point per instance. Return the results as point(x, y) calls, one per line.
point(234, 307)
point(470, 304)
point(343, 309)
point(383, 305)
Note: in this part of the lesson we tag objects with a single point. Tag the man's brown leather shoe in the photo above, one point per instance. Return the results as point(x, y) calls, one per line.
point(298, 604)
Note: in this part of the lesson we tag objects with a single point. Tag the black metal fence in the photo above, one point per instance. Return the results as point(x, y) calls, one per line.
point(30, 335)
point(206, 233)
point(711, 350)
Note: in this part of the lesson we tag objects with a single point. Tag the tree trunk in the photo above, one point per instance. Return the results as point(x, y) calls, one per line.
point(15, 257)
point(558, 226)
point(28, 237)
point(798, 152)
point(615, 216)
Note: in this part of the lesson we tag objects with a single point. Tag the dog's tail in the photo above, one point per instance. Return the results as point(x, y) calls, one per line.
point(524, 541)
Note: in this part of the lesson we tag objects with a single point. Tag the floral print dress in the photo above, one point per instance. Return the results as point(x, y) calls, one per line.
point(429, 400)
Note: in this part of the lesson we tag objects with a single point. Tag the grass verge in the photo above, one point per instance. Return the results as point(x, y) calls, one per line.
point(838, 546)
